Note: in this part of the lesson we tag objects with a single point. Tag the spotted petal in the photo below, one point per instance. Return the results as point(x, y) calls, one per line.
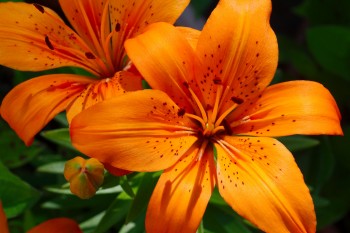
point(32, 104)
point(182, 194)
point(35, 38)
point(239, 51)
point(104, 89)
point(138, 131)
point(260, 180)
point(296, 107)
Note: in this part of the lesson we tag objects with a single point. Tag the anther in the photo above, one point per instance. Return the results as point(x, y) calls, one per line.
point(39, 7)
point(48, 43)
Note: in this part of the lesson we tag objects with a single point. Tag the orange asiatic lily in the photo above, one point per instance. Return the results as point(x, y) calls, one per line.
point(34, 38)
point(210, 122)
point(56, 225)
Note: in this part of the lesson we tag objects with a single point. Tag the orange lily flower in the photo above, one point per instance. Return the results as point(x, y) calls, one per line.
point(34, 38)
point(56, 225)
point(210, 122)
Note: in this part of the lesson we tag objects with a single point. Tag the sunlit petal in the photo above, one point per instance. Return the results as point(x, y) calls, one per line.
point(129, 18)
point(138, 131)
point(32, 104)
point(259, 179)
point(166, 60)
point(296, 107)
point(238, 49)
point(181, 195)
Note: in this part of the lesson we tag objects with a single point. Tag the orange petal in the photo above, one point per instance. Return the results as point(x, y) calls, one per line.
point(116, 171)
point(131, 17)
point(96, 92)
point(34, 38)
point(260, 180)
point(191, 35)
point(31, 105)
point(85, 176)
point(239, 50)
point(166, 60)
point(138, 131)
point(87, 17)
point(3, 220)
point(57, 225)
point(295, 107)
point(182, 194)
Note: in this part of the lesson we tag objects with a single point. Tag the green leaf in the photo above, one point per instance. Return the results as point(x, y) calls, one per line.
point(201, 6)
point(59, 136)
point(64, 189)
point(298, 143)
point(217, 220)
point(295, 54)
point(330, 47)
point(14, 153)
point(143, 195)
point(55, 167)
point(15, 194)
point(62, 119)
point(325, 12)
point(115, 213)
point(126, 186)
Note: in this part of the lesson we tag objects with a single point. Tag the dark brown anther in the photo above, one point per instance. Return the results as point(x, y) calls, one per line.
point(217, 81)
point(117, 27)
point(39, 7)
point(181, 112)
point(237, 100)
point(48, 43)
point(89, 55)
point(186, 84)
point(227, 127)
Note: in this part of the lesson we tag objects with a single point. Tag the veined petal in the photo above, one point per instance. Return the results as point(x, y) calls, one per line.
point(191, 35)
point(259, 179)
point(295, 107)
point(166, 60)
point(57, 225)
point(138, 131)
point(96, 92)
point(129, 18)
point(34, 38)
point(239, 51)
point(3, 220)
point(28, 107)
point(182, 193)
point(86, 17)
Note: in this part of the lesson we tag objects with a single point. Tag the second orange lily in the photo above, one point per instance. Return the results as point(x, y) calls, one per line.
point(34, 38)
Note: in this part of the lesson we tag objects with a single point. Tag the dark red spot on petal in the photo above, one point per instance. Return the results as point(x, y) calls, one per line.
point(181, 112)
point(117, 27)
point(217, 81)
point(89, 55)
